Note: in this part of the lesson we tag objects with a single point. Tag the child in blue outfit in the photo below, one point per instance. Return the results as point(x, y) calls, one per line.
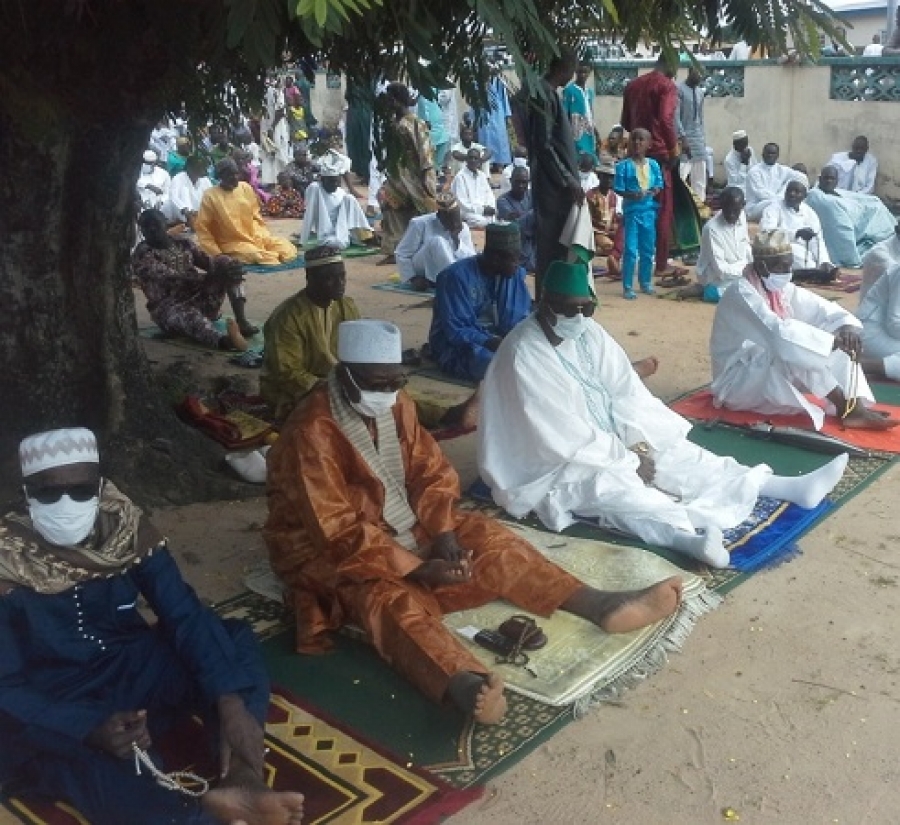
point(638, 181)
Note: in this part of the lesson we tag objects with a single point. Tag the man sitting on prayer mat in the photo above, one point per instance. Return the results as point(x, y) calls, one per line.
point(724, 249)
point(858, 168)
point(84, 679)
point(740, 160)
point(766, 182)
point(301, 343)
point(605, 207)
point(569, 431)
point(852, 222)
point(432, 242)
point(517, 206)
point(332, 214)
point(229, 222)
point(773, 343)
point(878, 260)
point(478, 301)
point(364, 529)
point(185, 288)
point(472, 188)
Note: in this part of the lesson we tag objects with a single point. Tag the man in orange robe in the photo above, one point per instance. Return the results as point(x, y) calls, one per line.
point(363, 527)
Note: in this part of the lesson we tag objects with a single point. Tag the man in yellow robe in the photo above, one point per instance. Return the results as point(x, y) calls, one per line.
point(364, 528)
point(229, 222)
point(301, 343)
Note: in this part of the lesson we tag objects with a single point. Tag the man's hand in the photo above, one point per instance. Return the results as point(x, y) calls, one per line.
point(847, 340)
point(435, 572)
point(447, 548)
point(493, 344)
point(746, 154)
point(240, 736)
point(805, 234)
point(119, 731)
point(489, 211)
point(576, 192)
point(646, 469)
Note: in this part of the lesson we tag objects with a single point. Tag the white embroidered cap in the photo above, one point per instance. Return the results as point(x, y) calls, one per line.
point(369, 342)
point(332, 164)
point(150, 156)
point(740, 134)
point(57, 448)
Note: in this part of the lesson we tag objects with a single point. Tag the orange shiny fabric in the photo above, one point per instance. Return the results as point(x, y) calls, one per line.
point(329, 544)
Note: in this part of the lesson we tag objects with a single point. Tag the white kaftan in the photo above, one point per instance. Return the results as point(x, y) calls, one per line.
point(765, 363)
point(807, 255)
point(158, 178)
point(555, 428)
point(878, 260)
point(426, 248)
point(737, 170)
point(879, 312)
point(857, 177)
point(473, 191)
point(184, 196)
point(724, 252)
point(766, 185)
point(335, 218)
point(275, 151)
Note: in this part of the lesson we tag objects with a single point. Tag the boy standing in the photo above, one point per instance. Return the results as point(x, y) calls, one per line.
point(638, 181)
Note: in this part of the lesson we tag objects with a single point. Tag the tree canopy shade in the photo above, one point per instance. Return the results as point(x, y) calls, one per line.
point(82, 83)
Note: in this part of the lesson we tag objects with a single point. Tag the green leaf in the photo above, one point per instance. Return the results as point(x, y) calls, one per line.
point(321, 11)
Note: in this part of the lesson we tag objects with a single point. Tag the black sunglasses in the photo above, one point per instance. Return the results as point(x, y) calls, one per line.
point(571, 310)
point(53, 493)
point(385, 385)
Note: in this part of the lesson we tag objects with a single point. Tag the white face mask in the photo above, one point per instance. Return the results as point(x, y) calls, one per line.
point(372, 404)
point(570, 328)
point(64, 522)
point(777, 281)
point(146, 168)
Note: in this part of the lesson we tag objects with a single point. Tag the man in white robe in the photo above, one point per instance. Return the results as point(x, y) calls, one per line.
point(773, 343)
point(332, 214)
point(858, 168)
point(724, 249)
point(432, 242)
point(852, 222)
point(456, 158)
point(879, 312)
point(186, 192)
point(275, 136)
point(766, 182)
point(568, 430)
point(473, 191)
point(740, 160)
point(153, 182)
point(878, 260)
point(801, 224)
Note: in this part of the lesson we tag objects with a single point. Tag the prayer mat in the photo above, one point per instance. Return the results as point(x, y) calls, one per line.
point(352, 251)
point(698, 406)
point(405, 289)
point(850, 280)
point(260, 269)
point(154, 333)
point(234, 428)
point(431, 371)
point(344, 779)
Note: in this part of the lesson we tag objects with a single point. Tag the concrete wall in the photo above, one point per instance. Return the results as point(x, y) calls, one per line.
point(790, 105)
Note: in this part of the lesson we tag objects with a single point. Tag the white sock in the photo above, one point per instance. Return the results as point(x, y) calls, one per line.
point(808, 490)
point(706, 545)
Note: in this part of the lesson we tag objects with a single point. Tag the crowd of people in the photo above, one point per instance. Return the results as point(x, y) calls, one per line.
point(364, 525)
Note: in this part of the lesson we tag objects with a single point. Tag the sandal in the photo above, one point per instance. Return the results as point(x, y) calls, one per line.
point(672, 279)
point(629, 295)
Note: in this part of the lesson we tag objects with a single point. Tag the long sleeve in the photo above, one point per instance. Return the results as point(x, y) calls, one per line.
point(679, 121)
point(287, 358)
point(204, 223)
point(49, 724)
point(542, 143)
point(410, 243)
point(771, 218)
point(668, 102)
point(454, 305)
point(892, 309)
point(197, 634)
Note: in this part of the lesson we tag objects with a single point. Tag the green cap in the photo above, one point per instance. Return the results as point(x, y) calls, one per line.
point(571, 279)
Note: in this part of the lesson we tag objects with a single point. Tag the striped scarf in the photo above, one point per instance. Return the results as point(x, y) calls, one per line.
point(385, 461)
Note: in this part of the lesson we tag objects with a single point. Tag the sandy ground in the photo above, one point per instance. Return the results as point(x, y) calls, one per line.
point(783, 705)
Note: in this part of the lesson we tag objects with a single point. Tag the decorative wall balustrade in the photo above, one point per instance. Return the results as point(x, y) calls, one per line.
point(858, 78)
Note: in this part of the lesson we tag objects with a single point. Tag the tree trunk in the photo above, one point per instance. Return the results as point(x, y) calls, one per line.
point(69, 351)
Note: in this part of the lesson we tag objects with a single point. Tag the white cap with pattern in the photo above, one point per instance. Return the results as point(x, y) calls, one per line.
point(57, 448)
point(369, 342)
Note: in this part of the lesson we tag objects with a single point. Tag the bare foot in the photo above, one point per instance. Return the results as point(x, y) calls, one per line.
point(479, 696)
point(646, 366)
point(639, 608)
point(256, 806)
point(247, 329)
point(863, 418)
point(692, 291)
point(468, 414)
point(234, 335)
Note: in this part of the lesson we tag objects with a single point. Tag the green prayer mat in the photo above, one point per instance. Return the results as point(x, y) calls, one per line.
point(154, 333)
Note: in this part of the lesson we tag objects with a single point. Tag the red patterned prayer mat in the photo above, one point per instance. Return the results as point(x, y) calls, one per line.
point(345, 780)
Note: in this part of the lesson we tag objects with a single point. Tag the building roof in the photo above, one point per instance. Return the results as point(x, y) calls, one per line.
point(843, 6)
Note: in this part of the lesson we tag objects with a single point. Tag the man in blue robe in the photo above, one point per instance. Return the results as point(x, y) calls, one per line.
point(85, 680)
point(478, 301)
